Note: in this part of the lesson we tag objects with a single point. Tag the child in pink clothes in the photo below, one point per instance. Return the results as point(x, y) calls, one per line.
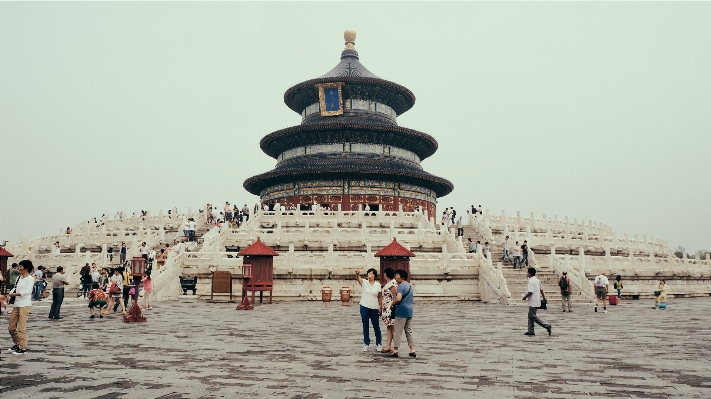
point(147, 288)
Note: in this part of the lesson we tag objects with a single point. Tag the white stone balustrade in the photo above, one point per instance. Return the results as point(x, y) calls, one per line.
point(560, 233)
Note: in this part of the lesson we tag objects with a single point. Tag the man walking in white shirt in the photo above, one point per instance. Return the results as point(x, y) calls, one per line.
point(533, 296)
point(505, 253)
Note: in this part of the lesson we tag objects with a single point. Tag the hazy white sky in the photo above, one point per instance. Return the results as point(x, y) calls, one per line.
point(592, 110)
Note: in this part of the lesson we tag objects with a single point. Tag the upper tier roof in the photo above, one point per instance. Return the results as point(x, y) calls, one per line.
point(349, 67)
point(360, 84)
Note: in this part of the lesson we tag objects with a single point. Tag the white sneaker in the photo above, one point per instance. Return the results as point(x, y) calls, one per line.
point(378, 348)
point(604, 311)
point(365, 348)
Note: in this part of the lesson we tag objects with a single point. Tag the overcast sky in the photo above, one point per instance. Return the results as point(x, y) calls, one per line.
point(593, 110)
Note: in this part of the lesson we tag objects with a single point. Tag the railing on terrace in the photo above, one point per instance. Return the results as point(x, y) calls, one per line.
point(133, 231)
point(552, 232)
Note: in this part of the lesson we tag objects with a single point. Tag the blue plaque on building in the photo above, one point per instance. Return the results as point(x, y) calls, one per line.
point(330, 98)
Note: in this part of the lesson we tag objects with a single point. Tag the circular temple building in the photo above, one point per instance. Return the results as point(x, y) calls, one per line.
point(348, 149)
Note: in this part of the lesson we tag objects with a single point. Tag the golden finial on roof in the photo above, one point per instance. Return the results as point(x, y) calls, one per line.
point(350, 37)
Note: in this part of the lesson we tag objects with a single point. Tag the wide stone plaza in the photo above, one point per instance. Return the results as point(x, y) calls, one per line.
point(311, 350)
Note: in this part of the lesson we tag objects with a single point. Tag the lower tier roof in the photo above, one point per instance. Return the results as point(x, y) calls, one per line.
point(337, 166)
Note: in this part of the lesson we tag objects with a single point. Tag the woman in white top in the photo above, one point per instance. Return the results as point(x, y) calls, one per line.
point(370, 308)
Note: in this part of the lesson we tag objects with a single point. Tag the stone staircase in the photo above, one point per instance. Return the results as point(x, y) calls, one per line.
point(516, 279)
point(200, 231)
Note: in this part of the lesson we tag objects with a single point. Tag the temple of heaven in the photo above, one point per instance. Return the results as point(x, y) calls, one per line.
point(348, 149)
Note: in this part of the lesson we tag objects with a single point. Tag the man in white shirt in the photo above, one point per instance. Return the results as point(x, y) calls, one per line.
point(601, 286)
point(95, 275)
point(191, 229)
point(151, 257)
point(505, 253)
point(228, 212)
point(460, 228)
point(144, 251)
point(533, 296)
point(22, 306)
point(517, 256)
point(39, 283)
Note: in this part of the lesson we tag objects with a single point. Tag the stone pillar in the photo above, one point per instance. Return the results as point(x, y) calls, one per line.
point(528, 237)
point(104, 255)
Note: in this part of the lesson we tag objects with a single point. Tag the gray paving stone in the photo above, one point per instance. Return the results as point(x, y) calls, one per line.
point(308, 350)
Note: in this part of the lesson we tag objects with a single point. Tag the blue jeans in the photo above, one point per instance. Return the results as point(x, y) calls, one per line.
point(85, 288)
point(371, 315)
point(517, 259)
point(505, 255)
point(38, 289)
point(619, 293)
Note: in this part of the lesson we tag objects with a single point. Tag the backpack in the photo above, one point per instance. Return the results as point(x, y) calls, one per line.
point(563, 283)
point(599, 282)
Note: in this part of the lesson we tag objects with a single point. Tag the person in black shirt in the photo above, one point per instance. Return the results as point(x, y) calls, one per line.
point(524, 252)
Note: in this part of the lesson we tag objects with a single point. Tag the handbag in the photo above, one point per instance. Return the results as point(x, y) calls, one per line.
point(657, 293)
point(11, 301)
point(394, 307)
point(114, 290)
point(544, 304)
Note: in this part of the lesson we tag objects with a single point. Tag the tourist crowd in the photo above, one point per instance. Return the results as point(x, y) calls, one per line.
point(105, 290)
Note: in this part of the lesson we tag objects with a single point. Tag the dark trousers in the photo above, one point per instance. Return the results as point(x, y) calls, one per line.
point(57, 299)
point(532, 318)
point(525, 259)
point(369, 316)
point(517, 259)
point(460, 231)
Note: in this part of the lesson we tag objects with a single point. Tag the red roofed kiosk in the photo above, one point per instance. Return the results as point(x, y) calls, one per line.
point(3, 269)
point(396, 257)
point(257, 272)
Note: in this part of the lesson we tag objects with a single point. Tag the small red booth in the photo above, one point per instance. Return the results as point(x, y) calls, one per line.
point(396, 257)
point(4, 255)
point(257, 272)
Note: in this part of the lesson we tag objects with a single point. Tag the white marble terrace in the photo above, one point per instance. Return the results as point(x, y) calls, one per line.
point(319, 248)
